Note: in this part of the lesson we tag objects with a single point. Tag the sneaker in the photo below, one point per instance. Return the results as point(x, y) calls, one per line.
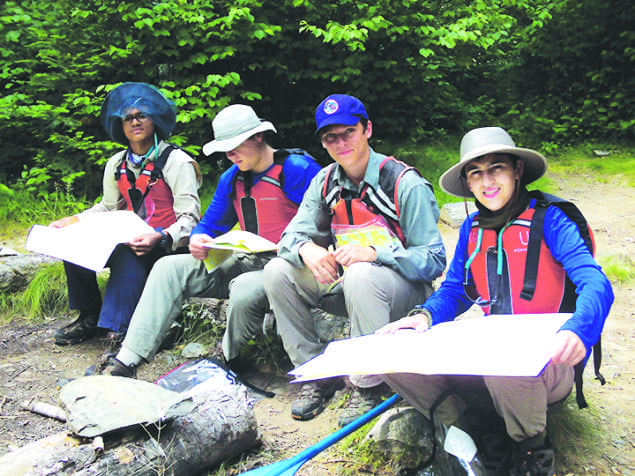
point(109, 365)
point(534, 462)
point(310, 399)
point(495, 453)
point(363, 400)
point(84, 327)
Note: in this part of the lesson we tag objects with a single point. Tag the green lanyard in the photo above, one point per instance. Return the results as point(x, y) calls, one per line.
point(499, 257)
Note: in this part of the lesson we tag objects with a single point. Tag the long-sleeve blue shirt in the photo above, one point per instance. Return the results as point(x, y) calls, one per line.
point(220, 216)
point(562, 237)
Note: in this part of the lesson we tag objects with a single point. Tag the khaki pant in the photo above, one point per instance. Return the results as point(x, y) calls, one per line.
point(176, 278)
point(372, 296)
point(520, 401)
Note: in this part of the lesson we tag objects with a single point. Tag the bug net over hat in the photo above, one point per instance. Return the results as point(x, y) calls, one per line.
point(144, 97)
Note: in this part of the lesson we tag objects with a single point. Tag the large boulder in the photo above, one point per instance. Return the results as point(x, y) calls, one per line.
point(18, 269)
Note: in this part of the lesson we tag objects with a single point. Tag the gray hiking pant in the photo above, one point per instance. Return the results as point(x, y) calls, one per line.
point(520, 401)
point(372, 296)
point(178, 277)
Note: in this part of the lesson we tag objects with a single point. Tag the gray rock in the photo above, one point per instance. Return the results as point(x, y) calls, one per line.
point(100, 404)
point(453, 214)
point(16, 271)
point(403, 429)
point(193, 350)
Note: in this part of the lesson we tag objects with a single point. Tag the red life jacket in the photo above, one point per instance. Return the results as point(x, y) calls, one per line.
point(505, 290)
point(527, 255)
point(263, 208)
point(149, 196)
point(371, 207)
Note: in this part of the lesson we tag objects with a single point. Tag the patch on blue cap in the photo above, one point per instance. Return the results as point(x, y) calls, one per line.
point(331, 106)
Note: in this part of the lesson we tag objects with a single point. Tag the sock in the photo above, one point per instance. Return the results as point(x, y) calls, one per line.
point(128, 357)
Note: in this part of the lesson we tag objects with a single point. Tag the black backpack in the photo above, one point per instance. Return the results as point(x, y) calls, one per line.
point(543, 202)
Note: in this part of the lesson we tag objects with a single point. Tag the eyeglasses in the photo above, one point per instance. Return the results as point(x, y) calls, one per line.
point(140, 116)
point(332, 138)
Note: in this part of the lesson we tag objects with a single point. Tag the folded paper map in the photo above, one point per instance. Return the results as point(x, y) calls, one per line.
point(504, 345)
point(90, 241)
point(235, 241)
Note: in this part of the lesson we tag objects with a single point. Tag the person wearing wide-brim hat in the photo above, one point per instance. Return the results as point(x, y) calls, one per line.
point(157, 181)
point(492, 256)
point(260, 192)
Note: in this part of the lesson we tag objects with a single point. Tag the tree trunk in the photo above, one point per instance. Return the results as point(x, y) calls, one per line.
point(220, 428)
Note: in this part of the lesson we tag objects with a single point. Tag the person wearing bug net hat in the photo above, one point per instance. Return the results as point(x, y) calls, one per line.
point(497, 266)
point(156, 180)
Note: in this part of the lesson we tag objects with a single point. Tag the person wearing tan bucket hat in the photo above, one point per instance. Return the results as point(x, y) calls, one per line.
point(261, 192)
point(490, 140)
point(521, 253)
point(156, 180)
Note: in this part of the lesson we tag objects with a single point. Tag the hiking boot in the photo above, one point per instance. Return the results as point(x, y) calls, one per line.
point(109, 365)
point(173, 336)
point(311, 397)
point(534, 462)
point(84, 327)
point(495, 453)
point(363, 400)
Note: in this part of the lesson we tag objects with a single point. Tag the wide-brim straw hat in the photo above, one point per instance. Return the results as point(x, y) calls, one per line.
point(233, 126)
point(144, 97)
point(490, 140)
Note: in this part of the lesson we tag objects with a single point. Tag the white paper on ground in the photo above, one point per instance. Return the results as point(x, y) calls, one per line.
point(504, 345)
point(90, 241)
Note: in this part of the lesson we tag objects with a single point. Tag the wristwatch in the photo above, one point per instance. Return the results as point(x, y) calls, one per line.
point(166, 239)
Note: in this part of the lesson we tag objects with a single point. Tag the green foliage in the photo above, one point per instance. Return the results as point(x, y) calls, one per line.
point(422, 68)
point(574, 432)
point(572, 77)
point(615, 162)
point(26, 204)
point(431, 159)
point(46, 295)
point(201, 324)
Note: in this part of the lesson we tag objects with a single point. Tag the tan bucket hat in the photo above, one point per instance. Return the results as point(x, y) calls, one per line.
point(490, 140)
point(234, 125)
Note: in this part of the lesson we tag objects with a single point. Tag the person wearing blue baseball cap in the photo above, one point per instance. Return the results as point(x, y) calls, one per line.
point(364, 243)
point(156, 180)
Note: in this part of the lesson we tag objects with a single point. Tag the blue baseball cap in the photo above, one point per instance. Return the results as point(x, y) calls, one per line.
point(339, 109)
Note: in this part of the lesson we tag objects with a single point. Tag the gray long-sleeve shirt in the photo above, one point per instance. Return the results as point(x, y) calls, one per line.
point(423, 256)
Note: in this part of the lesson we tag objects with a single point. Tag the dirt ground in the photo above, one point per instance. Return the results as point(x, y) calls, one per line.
point(31, 367)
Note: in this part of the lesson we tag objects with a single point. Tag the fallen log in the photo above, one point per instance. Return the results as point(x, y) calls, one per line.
point(221, 426)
